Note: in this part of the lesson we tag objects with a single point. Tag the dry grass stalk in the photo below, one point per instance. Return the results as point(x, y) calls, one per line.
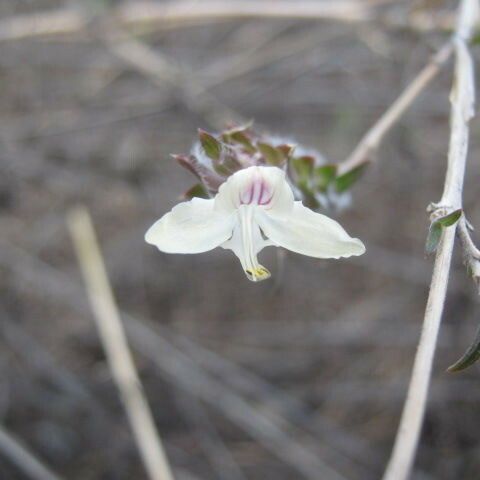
point(365, 151)
point(144, 14)
point(115, 345)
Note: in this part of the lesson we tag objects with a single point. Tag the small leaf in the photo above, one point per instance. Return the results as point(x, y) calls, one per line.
point(209, 178)
point(433, 238)
point(211, 146)
point(345, 181)
point(287, 149)
point(222, 169)
point(242, 139)
point(303, 167)
point(197, 190)
point(435, 230)
point(450, 219)
point(469, 357)
point(324, 176)
point(271, 154)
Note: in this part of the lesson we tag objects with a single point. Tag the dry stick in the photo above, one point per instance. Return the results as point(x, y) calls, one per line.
point(462, 110)
point(25, 460)
point(115, 345)
point(141, 14)
point(275, 433)
point(364, 151)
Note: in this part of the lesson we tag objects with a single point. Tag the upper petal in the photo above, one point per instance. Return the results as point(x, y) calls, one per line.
point(191, 227)
point(263, 187)
point(309, 233)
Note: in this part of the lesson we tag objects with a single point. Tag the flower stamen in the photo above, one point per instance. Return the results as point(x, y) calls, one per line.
point(254, 271)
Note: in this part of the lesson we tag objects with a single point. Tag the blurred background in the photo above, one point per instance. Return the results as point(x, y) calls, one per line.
point(300, 377)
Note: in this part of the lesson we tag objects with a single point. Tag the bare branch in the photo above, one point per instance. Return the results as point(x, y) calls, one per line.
point(462, 99)
point(143, 14)
point(115, 345)
point(365, 150)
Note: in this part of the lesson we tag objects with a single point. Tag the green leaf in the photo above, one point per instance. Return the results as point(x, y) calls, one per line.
point(303, 167)
point(197, 190)
point(344, 182)
point(271, 154)
point(450, 219)
point(242, 139)
point(211, 146)
point(433, 238)
point(324, 176)
point(287, 149)
point(469, 357)
point(222, 169)
point(435, 230)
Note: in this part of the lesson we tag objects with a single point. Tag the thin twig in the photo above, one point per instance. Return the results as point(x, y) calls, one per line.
point(365, 150)
point(115, 345)
point(462, 98)
point(23, 458)
point(144, 14)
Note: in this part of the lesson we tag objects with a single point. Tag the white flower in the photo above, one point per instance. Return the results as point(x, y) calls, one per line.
point(253, 209)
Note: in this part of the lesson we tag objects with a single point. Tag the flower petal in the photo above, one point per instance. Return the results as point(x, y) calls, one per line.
point(191, 227)
point(246, 242)
point(308, 233)
point(264, 187)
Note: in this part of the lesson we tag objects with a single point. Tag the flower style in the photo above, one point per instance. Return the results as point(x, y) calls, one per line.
point(253, 208)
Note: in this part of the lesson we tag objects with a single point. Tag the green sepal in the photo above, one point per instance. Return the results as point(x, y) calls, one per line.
point(242, 139)
point(222, 169)
point(287, 150)
point(198, 190)
point(435, 230)
point(344, 182)
point(469, 357)
point(323, 176)
point(272, 155)
point(303, 167)
point(211, 146)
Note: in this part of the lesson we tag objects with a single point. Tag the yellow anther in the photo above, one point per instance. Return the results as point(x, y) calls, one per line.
point(258, 274)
